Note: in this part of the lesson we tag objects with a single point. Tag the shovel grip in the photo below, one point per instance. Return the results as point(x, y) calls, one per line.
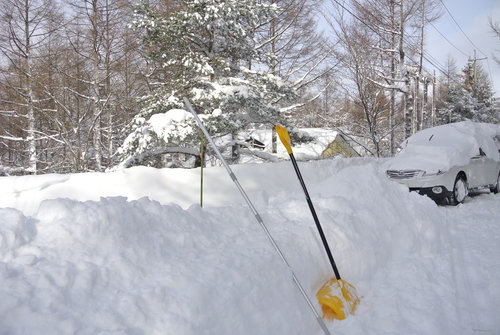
point(285, 138)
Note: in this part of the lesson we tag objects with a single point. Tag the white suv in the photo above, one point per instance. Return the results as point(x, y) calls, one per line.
point(447, 162)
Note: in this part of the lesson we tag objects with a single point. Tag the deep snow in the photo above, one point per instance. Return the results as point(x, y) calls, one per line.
point(132, 252)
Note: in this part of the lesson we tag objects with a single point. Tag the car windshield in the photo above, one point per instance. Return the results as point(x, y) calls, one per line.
point(440, 148)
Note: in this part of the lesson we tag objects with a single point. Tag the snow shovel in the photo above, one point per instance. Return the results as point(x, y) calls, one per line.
point(257, 216)
point(337, 297)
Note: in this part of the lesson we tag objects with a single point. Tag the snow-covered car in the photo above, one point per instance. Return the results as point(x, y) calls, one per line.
point(449, 161)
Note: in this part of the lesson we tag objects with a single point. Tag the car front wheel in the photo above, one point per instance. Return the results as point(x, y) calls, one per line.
point(496, 189)
point(459, 191)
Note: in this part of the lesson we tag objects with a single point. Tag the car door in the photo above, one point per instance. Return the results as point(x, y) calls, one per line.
point(490, 170)
point(477, 170)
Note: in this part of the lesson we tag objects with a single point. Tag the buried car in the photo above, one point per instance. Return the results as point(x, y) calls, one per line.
point(449, 161)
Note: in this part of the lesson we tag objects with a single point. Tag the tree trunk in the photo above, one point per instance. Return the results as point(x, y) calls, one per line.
point(32, 164)
point(95, 99)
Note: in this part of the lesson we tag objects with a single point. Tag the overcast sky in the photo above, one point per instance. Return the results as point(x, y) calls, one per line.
point(471, 33)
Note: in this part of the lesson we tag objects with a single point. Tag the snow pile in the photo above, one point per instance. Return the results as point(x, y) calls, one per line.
point(113, 265)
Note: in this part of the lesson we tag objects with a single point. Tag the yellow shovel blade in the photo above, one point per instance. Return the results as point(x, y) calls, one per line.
point(338, 299)
point(285, 138)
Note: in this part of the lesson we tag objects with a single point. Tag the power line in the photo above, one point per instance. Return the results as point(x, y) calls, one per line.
point(412, 40)
point(355, 16)
point(461, 28)
point(448, 39)
point(470, 41)
point(425, 55)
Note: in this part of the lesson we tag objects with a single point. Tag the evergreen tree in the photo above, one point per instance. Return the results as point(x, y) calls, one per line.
point(459, 105)
point(473, 99)
point(206, 52)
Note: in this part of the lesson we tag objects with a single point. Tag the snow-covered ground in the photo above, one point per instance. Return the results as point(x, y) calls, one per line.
point(132, 252)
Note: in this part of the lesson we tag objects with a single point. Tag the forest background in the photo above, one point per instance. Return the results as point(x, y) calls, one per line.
point(85, 85)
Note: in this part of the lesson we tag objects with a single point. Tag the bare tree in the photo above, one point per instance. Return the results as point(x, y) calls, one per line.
point(369, 107)
point(393, 33)
point(26, 26)
point(427, 11)
point(495, 28)
point(301, 53)
point(100, 38)
point(68, 84)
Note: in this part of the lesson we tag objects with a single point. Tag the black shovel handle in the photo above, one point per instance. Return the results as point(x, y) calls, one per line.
point(316, 220)
point(285, 139)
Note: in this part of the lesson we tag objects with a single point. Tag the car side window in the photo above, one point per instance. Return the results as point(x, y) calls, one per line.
point(496, 139)
point(481, 154)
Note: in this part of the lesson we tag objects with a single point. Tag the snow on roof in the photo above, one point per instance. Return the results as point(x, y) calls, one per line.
point(445, 146)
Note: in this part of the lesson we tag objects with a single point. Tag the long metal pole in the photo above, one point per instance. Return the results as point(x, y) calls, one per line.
point(202, 163)
point(257, 216)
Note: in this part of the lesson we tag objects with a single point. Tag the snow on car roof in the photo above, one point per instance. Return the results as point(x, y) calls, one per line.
point(445, 146)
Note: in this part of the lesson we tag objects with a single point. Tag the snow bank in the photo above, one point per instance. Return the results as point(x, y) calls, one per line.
point(114, 265)
point(179, 186)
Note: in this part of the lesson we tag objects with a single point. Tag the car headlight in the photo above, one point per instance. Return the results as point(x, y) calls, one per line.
point(426, 174)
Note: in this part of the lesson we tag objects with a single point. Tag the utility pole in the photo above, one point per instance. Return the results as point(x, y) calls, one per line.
point(425, 113)
point(433, 108)
point(475, 72)
point(408, 96)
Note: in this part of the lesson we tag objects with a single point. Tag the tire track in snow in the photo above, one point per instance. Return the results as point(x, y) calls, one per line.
point(474, 230)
